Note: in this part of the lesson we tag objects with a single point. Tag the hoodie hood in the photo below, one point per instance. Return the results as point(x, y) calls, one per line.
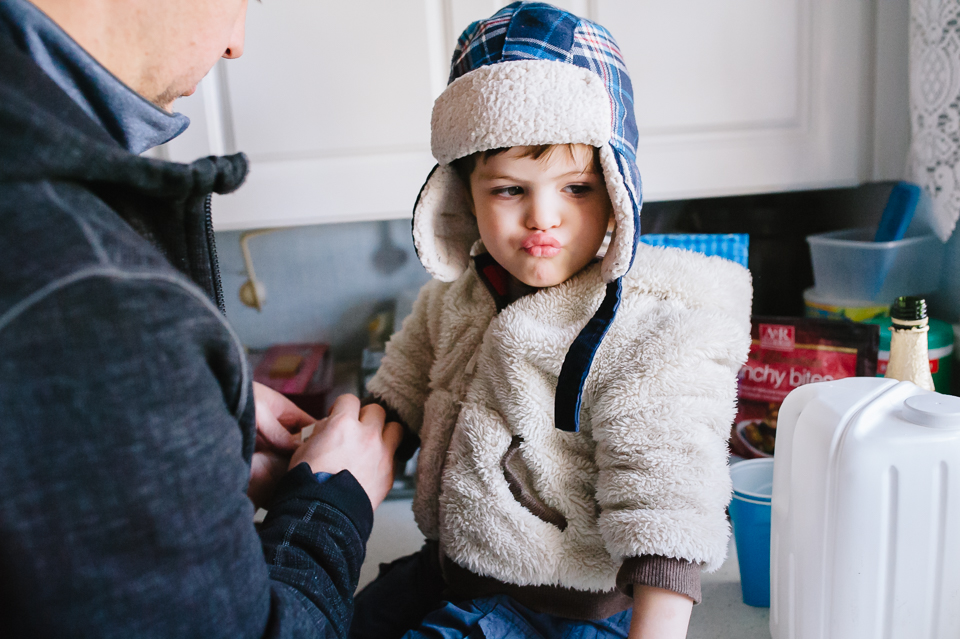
point(44, 135)
point(534, 74)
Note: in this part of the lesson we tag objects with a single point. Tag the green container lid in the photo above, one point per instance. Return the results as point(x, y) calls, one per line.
point(940, 335)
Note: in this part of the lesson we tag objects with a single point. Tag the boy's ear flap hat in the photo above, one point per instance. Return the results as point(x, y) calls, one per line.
point(533, 74)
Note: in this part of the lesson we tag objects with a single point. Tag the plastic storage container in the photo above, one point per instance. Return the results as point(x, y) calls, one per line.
point(865, 512)
point(822, 306)
point(848, 265)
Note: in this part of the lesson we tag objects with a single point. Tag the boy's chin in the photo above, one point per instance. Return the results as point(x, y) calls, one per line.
point(543, 279)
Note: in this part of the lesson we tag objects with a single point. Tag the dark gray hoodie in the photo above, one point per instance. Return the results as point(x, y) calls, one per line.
point(126, 416)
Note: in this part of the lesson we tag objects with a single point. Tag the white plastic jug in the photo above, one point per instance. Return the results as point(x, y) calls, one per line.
point(865, 538)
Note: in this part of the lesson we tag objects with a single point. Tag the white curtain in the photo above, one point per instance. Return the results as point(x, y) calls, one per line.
point(934, 161)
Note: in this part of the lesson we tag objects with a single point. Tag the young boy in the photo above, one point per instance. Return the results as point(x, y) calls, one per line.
point(573, 411)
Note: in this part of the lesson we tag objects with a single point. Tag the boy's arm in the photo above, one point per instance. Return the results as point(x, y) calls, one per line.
point(401, 385)
point(661, 419)
point(659, 614)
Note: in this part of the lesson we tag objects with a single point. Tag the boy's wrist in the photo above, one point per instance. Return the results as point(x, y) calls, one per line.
point(659, 613)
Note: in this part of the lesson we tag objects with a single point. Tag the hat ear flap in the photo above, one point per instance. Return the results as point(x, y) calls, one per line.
point(444, 228)
point(623, 187)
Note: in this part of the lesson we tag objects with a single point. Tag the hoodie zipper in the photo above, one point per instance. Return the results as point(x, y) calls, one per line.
point(212, 248)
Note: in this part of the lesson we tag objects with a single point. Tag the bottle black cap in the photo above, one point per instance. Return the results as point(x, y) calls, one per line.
point(909, 309)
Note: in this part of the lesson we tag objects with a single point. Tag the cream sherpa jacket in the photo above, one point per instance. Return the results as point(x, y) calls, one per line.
point(646, 474)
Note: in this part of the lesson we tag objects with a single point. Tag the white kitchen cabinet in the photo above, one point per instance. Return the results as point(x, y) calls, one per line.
point(332, 101)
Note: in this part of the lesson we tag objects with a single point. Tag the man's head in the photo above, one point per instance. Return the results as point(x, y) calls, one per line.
point(542, 211)
point(159, 48)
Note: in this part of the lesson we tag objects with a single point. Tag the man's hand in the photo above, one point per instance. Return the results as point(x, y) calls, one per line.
point(278, 423)
point(357, 440)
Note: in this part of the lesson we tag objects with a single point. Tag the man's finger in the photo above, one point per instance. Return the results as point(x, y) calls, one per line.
point(392, 436)
point(292, 416)
point(348, 405)
point(280, 408)
point(275, 434)
point(372, 415)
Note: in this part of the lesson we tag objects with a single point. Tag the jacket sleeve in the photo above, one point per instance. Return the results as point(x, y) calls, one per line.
point(402, 382)
point(661, 419)
point(128, 426)
point(314, 537)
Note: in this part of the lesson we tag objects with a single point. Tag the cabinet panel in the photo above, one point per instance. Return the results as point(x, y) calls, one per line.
point(699, 65)
point(747, 96)
point(337, 189)
point(321, 78)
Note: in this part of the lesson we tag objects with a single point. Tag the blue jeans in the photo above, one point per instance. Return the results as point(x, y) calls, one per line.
point(408, 600)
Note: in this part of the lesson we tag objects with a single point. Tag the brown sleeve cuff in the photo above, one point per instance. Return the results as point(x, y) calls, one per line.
point(670, 573)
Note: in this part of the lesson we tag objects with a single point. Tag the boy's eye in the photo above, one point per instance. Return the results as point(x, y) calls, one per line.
point(578, 189)
point(508, 190)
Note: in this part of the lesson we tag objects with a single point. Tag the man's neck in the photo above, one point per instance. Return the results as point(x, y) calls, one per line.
point(103, 32)
point(133, 122)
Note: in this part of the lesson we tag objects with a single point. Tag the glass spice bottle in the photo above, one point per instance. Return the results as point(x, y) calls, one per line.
point(909, 359)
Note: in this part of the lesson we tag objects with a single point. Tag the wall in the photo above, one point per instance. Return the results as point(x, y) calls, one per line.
point(946, 305)
point(322, 281)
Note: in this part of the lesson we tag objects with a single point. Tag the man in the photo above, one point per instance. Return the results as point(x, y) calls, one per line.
point(128, 421)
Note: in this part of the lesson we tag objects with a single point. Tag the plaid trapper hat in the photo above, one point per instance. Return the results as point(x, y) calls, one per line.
point(534, 74)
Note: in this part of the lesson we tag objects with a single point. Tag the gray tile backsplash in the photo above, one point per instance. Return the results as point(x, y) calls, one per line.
point(322, 282)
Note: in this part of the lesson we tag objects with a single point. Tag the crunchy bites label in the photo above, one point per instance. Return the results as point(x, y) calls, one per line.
point(769, 375)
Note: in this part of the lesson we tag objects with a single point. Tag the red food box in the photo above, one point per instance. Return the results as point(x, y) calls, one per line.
point(788, 352)
point(301, 372)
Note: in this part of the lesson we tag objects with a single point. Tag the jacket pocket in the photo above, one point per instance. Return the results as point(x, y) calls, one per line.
point(520, 481)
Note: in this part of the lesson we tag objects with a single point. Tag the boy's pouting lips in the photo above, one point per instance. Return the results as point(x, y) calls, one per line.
point(542, 219)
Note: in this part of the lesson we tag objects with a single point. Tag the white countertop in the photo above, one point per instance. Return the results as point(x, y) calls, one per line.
point(722, 615)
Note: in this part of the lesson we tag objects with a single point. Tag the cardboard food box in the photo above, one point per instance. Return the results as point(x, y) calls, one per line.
point(787, 352)
point(301, 372)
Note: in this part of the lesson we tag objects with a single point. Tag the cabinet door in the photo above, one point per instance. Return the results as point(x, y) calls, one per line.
point(746, 96)
point(331, 102)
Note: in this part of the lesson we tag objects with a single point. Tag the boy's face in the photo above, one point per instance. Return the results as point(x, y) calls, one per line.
point(541, 219)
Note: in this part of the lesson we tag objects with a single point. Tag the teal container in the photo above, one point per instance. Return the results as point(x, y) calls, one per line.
point(939, 346)
point(750, 516)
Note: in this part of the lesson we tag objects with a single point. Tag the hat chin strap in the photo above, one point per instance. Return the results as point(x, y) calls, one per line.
point(576, 365)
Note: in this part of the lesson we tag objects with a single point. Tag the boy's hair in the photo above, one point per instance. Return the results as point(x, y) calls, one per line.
point(465, 166)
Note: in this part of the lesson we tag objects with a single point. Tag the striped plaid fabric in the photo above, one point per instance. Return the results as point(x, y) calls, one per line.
point(517, 32)
point(733, 246)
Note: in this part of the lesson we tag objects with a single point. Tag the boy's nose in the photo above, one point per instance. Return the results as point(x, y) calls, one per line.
point(542, 213)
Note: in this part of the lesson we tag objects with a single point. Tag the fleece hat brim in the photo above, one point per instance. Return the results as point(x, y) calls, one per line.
point(516, 103)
